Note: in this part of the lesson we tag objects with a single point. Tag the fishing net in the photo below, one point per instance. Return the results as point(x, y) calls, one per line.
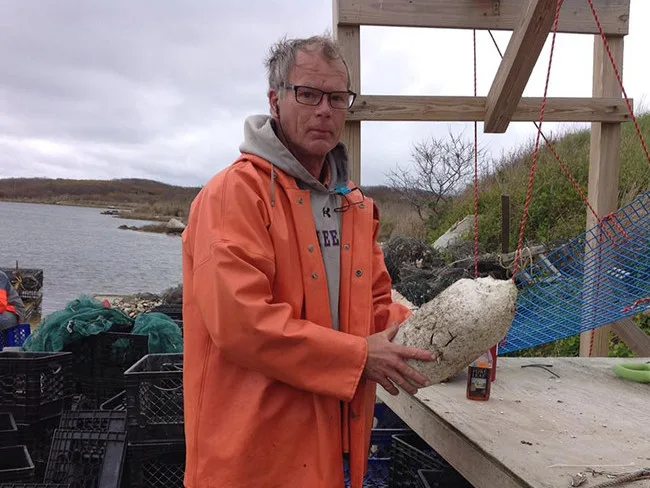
point(85, 317)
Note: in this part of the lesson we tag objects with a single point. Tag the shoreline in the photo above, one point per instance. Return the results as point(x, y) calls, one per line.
point(161, 227)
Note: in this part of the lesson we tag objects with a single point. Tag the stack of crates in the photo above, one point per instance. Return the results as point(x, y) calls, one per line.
point(386, 424)
point(155, 422)
point(35, 388)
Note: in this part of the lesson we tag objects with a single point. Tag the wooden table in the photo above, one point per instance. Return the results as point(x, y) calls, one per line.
point(536, 430)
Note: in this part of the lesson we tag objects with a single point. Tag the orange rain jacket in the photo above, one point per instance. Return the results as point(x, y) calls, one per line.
point(265, 374)
point(10, 301)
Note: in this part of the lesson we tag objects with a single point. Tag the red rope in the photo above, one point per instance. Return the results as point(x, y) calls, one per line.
point(476, 192)
point(564, 167)
point(584, 198)
point(638, 303)
point(620, 80)
point(531, 180)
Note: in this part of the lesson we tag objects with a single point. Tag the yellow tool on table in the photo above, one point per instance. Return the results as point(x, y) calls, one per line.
point(639, 372)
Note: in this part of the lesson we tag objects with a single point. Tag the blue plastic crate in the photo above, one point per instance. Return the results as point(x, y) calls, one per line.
point(387, 419)
point(15, 337)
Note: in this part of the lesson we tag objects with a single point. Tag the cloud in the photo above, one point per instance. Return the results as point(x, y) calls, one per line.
point(160, 88)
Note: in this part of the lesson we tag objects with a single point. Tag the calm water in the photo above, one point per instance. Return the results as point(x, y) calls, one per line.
point(84, 252)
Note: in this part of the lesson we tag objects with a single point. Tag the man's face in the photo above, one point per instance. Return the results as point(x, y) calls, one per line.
point(311, 131)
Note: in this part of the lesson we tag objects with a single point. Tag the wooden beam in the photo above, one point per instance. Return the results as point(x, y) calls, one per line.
point(348, 38)
point(604, 169)
point(468, 109)
point(633, 337)
point(524, 48)
point(575, 17)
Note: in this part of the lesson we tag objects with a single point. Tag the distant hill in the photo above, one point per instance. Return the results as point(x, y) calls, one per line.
point(144, 198)
point(127, 192)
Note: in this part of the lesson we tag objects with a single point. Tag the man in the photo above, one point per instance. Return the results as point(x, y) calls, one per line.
point(287, 302)
point(12, 308)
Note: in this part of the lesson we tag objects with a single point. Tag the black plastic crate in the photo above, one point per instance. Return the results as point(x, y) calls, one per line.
point(411, 453)
point(81, 402)
point(381, 441)
point(33, 485)
point(86, 459)
point(16, 464)
point(38, 439)
point(101, 360)
point(93, 421)
point(114, 353)
point(154, 398)
point(8, 430)
point(116, 403)
point(156, 465)
point(34, 385)
point(433, 478)
point(82, 362)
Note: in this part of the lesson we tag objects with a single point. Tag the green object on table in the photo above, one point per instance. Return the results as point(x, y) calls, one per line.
point(638, 372)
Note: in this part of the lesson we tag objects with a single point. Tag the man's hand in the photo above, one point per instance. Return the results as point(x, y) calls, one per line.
point(386, 363)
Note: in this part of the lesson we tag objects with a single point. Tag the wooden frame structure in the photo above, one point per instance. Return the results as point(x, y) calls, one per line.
point(530, 21)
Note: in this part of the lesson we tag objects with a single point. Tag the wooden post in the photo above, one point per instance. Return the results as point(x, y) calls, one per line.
point(633, 337)
point(349, 39)
point(605, 164)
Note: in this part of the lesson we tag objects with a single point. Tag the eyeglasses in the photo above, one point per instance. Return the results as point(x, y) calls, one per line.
point(306, 95)
point(343, 191)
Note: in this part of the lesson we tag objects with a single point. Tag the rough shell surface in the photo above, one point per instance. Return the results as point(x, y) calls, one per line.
point(459, 325)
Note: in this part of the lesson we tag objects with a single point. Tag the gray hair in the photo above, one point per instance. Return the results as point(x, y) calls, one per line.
point(282, 57)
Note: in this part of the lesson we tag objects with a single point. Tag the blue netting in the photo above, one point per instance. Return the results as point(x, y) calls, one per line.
point(592, 281)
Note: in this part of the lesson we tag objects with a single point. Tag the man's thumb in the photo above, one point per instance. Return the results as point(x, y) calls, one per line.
point(391, 331)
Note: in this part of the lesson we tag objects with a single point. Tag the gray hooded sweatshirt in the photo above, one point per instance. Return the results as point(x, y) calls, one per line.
point(261, 140)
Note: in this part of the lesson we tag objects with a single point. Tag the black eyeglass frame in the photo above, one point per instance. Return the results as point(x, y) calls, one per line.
point(346, 204)
point(295, 89)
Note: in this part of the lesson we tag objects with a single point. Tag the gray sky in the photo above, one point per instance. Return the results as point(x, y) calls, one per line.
point(159, 88)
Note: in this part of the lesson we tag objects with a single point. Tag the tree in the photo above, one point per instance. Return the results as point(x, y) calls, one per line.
point(440, 169)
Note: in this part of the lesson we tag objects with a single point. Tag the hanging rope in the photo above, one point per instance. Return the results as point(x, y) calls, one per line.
point(627, 102)
point(550, 146)
point(531, 180)
point(476, 192)
point(620, 80)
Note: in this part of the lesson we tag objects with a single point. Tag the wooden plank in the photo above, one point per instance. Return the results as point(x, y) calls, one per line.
point(536, 431)
point(468, 109)
point(630, 333)
point(349, 39)
point(522, 53)
point(575, 17)
point(604, 167)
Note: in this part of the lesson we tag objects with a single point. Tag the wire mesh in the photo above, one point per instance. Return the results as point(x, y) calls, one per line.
point(599, 278)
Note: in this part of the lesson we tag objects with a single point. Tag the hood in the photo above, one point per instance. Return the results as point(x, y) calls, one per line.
point(261, 140)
